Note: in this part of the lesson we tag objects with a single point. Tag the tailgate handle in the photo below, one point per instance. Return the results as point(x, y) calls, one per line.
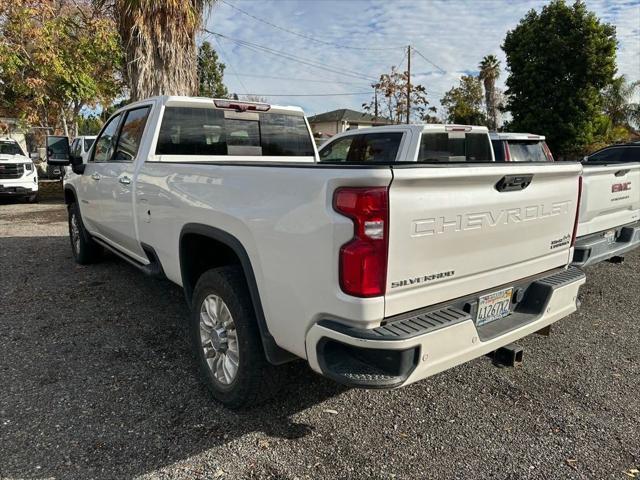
point(621, 173)
point(511, 183)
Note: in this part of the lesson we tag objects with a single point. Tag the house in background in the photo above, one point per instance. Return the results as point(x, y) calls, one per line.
point(325, 125)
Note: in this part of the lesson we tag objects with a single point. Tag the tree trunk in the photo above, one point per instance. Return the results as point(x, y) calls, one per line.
point(160, 46)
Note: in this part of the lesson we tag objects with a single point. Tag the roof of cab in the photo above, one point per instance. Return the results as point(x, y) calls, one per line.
point(185, 101)
point(515, 136)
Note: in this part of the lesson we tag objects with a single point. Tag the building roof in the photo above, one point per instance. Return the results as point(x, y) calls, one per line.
point(351, 116)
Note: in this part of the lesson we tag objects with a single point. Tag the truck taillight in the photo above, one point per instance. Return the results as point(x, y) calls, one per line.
point(575, 223)
point(363, 260)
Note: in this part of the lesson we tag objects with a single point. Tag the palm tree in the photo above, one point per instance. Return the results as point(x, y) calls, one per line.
point(618, 102)
point(489, 73)
point(159, 39)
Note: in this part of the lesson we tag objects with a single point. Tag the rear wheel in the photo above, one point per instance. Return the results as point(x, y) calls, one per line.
point(85, 249)
point(227, 341)
point(32, 198)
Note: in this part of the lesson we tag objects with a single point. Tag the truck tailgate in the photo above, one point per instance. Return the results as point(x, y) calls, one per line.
point(610, 197)
point(455, 230)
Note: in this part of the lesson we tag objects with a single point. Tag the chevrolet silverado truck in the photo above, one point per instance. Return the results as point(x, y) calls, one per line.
point(609, 220)
point(380, 263)
point(18, 175)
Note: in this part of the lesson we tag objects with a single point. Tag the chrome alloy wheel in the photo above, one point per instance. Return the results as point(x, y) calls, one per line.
point(219, 339)
point(75, 233)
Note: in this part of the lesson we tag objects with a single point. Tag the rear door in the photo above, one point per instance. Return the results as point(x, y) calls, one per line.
point(460, 229)
point(610, 196)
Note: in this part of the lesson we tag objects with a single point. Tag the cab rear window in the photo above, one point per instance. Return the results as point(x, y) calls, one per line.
point(447, 147)
point(527, 151)
point(208, 131)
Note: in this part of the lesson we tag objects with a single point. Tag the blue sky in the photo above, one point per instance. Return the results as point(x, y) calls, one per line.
point(452, 34)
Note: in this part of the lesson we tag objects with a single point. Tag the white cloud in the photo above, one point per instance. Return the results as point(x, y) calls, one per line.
point(453, 34)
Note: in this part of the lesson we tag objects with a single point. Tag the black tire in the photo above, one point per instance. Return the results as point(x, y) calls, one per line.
point(85, 250)
point(32, 198)
point(256, 380)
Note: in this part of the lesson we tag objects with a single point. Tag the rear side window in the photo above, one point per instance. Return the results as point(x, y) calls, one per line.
point(364, 148)
point(527, 151)
point(88, 142)
point(446, 147)
point(607, 155)
point(631, 154)
point(208, 131)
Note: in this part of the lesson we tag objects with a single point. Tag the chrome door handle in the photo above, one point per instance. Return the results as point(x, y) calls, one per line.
point(125, 180)
point(95, 176)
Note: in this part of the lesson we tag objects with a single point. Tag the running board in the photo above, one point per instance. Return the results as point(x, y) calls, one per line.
point(153, 268)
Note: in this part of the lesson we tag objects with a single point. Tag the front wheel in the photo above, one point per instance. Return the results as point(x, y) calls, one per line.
point(227, 341)
point(85, 249)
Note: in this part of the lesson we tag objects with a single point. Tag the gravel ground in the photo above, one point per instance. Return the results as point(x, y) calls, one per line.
point(97, 381)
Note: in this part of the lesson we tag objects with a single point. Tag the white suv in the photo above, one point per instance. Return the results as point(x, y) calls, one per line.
point(18, 176)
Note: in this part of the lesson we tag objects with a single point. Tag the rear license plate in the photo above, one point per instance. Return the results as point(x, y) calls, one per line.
point(610, 236)
point(494, 306)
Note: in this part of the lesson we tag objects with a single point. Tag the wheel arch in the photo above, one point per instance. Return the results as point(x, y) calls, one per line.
point(229, 251)
point(70, 195)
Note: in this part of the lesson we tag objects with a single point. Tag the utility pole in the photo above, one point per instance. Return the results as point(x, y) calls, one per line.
point(375, 96)
point(408, 83)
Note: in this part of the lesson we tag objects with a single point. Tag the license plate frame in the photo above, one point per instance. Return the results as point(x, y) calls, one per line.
point(494, 306)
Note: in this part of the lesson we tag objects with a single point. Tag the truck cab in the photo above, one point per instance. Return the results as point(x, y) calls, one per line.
point(18, 175)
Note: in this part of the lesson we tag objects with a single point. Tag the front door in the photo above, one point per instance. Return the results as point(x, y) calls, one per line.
point(91, 202)
point(116, 186)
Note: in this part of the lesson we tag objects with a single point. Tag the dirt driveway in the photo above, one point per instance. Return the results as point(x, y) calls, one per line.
point(97, 381)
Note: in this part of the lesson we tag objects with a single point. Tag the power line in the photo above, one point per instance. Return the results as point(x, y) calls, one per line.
point(301, 35)
point(311, 80)
point(233, 70)
point(442, 70)
point(294, 58)
point(308, 94)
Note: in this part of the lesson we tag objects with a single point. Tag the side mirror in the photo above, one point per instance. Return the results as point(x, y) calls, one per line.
point(58, 151)
point(585, 158)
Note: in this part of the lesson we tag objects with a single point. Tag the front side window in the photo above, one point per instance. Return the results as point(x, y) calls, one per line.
point(338, 150)
point(364, 148)
point(105, 144)
point(131, 134)
point(445, 147)
point(207, 131)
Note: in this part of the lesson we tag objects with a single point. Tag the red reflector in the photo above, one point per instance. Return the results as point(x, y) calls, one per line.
point(363, 260)
point(241, 106)
point(576, 221)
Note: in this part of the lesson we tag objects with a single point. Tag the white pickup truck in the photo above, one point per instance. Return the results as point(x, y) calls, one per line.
point(609, 222)
point(379, 263)
point(18, 175)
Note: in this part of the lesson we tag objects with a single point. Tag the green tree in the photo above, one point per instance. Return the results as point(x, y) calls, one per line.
point(489, 73)
point(559, 62)
point(159, 38)
point(463, 104)
point(618, 102)
point(210, 73)
point(55, 59)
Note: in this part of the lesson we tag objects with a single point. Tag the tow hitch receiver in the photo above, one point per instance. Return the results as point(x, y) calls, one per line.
point(617, 259)
point(508, 356)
